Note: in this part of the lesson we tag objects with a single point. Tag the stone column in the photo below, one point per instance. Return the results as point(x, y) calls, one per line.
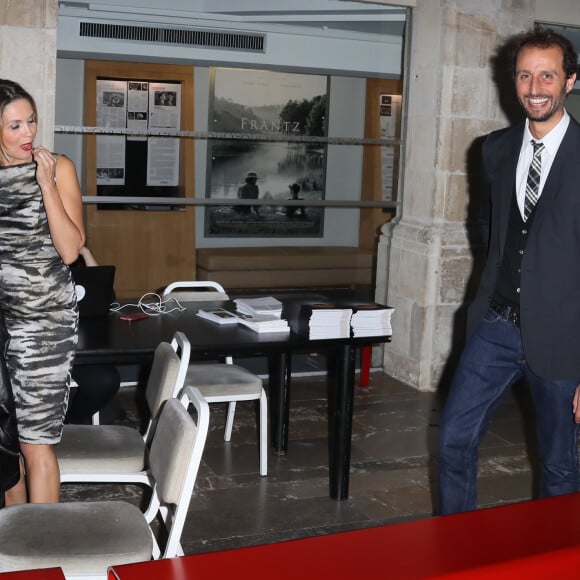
point(452, 101)
point(28, 55)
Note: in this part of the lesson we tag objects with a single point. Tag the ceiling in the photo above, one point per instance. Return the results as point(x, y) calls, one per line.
point(302, 35)
point(327, 15)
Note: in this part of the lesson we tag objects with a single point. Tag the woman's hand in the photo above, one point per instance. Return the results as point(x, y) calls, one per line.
point(45, 167)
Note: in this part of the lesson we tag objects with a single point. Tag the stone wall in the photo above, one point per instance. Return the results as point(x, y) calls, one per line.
point(429, 254)
point(28, 54)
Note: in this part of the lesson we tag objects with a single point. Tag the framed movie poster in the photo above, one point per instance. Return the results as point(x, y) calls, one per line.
point(263, 102)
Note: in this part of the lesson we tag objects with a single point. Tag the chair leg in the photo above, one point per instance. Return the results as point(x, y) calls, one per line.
point(230, 420)
point(263, 434)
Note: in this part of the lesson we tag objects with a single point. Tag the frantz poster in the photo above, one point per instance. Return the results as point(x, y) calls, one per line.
point(257, 102)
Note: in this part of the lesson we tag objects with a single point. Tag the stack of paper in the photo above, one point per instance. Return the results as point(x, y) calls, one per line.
point(326, 321)
point(265, 306)
point(264, 323)
point(371, 320)
point(218, 315)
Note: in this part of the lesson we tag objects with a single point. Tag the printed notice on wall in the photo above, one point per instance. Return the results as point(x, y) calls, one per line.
point(137, 108)
point(163, 152)
point(138, 105)
point(111, 113)
point(389, 112)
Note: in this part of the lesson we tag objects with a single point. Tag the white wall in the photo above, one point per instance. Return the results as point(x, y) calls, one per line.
point(562, 12)
point(557, 11)
point(69, 110)
point(573, 105)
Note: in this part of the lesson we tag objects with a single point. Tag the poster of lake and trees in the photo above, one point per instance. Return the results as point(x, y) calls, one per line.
point(266, 102)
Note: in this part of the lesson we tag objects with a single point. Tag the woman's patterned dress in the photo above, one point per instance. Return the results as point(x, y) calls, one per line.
point(38, 302)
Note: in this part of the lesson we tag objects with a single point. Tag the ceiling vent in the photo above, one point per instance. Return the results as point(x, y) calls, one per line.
point(175, 36)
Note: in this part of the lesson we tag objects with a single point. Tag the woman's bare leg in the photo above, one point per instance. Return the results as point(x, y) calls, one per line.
point(42, 473)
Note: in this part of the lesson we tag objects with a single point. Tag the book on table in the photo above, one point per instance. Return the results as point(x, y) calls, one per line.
point(317, 320)
point(371, 319)
point(264, 323)
point(341, 319)
point(326, 321)
point(264, 306)
point(218, 315)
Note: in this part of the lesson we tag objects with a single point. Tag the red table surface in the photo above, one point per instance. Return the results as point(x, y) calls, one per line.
point(538, 538)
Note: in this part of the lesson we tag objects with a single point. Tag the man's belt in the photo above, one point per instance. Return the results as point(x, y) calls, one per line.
point(507, 312)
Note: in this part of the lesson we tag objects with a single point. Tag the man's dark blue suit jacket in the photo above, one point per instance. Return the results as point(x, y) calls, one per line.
point(550, 277)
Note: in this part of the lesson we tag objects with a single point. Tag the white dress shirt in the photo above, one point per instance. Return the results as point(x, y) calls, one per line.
point(551, 143)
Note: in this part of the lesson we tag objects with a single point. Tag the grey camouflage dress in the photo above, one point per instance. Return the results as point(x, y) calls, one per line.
point(38, 302)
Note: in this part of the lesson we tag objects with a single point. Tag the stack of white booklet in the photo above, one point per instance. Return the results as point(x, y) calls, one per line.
point(257, 322)
point(371, 320)
point(264, 323)
point(324, 321)
point(261, 314)
point(265, 306)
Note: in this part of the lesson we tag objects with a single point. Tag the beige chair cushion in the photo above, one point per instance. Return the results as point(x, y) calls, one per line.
point(80, 537)
point(224, 380)
point(100, 449)
point(162, 378)
point(173, 442)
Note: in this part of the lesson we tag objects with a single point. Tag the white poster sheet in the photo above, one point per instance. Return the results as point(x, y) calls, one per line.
point(111, 113)
point(163, 152)
point(389, 112)
point(137, 108)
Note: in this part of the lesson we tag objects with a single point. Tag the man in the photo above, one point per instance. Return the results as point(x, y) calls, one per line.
point(249, 190)
point(525, 320)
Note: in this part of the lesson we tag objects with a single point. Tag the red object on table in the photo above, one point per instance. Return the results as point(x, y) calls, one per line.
point(39, 574)
point(534, 540)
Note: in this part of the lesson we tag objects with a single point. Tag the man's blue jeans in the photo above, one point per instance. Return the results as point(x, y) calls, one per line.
point(492, 361)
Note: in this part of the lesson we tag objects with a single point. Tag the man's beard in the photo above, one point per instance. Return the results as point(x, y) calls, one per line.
point(557, 104)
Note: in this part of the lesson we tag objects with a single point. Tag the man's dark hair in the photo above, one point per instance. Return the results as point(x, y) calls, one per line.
point(540, 37)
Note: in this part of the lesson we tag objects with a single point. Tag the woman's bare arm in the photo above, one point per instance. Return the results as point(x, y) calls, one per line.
point(62, 198)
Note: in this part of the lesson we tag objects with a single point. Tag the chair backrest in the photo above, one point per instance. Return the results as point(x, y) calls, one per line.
point(195, 290)
point(167, 375)
point(174, 459)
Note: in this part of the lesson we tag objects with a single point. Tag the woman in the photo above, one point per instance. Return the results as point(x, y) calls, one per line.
point(41, 231)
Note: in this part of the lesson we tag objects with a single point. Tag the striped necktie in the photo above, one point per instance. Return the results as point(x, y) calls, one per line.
point(533, 182)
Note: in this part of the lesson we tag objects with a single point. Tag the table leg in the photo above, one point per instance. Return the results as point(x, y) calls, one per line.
point(280, 372)
point(340, 406)
point(365, 366)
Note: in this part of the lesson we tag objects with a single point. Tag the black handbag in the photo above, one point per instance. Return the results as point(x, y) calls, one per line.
point(9, 448)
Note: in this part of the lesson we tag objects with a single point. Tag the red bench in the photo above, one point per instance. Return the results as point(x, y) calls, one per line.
point(39, 574)
point(534, 540)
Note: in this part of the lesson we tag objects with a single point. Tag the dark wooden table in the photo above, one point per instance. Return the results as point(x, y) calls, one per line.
point(111, 340)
